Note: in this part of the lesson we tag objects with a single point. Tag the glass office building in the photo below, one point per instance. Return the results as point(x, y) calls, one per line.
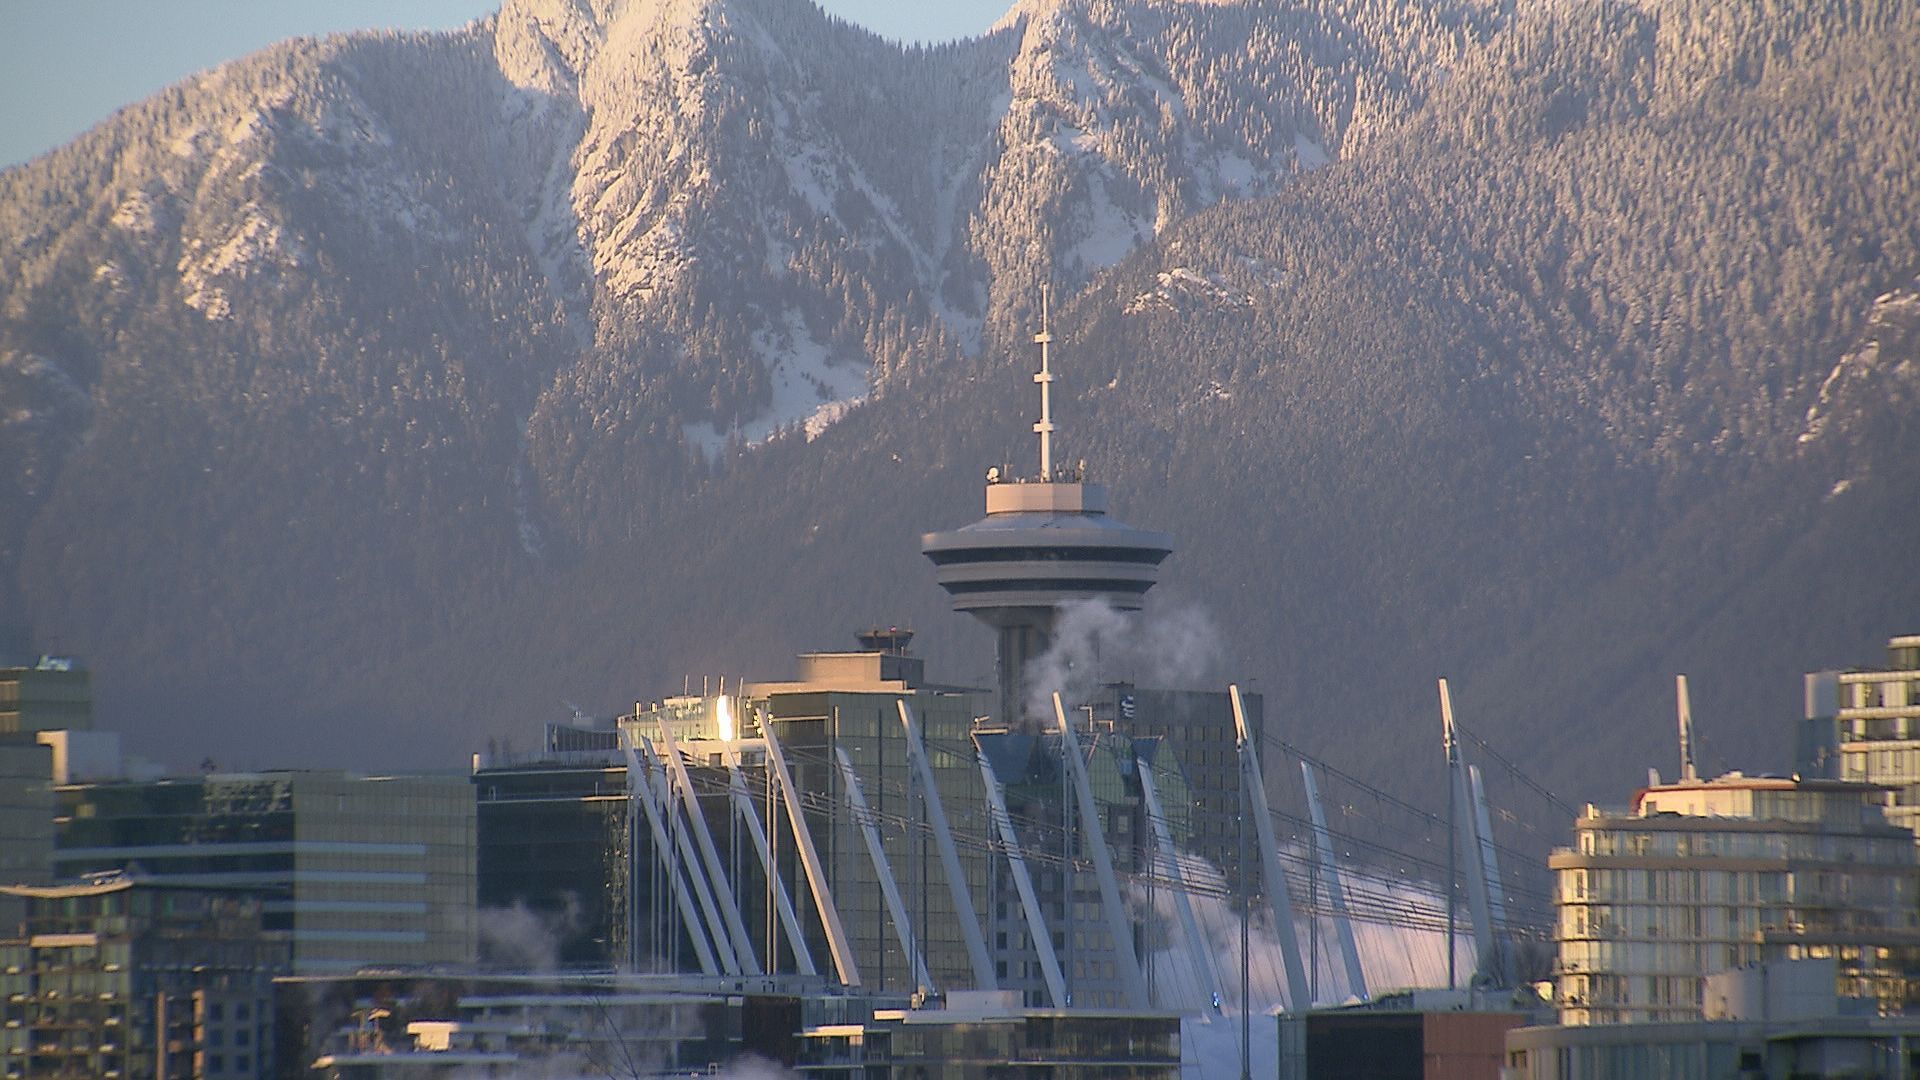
point(841, 703)
point(357, 870)
point(554, 838)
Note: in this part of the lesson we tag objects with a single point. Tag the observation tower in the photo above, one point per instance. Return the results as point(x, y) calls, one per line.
point(1044, 542)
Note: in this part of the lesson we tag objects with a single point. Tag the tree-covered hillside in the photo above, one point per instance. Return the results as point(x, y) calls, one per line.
point(373, 396)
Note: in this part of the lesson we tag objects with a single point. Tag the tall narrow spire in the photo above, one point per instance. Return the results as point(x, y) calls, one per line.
point(1687, 770)
point(1045, 378)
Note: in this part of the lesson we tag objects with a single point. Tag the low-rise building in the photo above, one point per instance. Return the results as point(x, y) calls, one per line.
point(1433, 1034)
point(991, 1034)
point(1771, 1021)
point(376, 1026)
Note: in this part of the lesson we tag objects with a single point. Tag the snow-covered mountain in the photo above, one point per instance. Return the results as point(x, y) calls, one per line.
point(775, 190)
point(393, 384)
point(653, 228)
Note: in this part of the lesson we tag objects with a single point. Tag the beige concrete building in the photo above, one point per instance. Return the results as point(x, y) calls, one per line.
point(1705, 875)
point(1878, 727)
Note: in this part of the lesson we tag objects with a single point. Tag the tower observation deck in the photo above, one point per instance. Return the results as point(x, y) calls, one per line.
point(1044, 542)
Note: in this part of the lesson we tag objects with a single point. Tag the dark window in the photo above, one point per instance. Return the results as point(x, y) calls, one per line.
point(1050, 585)
point(1148, 556)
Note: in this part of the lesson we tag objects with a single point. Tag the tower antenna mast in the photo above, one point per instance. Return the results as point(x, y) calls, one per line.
point(1045, 378)
point(1687, 771)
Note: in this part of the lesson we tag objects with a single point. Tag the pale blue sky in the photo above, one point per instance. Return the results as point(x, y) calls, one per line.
point(66, 64)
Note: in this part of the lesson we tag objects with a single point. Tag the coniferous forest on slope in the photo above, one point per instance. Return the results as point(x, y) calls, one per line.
point(369, 397)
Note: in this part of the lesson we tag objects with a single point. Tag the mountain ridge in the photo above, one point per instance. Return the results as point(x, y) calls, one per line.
point(441, 377)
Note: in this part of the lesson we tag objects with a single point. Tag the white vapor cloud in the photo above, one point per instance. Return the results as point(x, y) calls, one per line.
point(1094, 644)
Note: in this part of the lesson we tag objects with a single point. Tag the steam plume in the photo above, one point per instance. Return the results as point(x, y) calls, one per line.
point(1094, 644)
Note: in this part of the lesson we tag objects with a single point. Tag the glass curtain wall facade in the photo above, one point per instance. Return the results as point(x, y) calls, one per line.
point(26, 821)
point(657, 934)
point(812, 728)
point(1046, 816)
point(554, 838)
point(1188, 739)
point(357, 870)
point(1196, 728)
point(848, 703)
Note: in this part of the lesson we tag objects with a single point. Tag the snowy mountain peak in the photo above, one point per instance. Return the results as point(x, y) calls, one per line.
point(744, 210)
point(550, 44)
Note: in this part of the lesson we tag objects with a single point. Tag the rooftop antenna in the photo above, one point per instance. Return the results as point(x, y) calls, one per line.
point(1687, 771)
point(1045, 378)
point(1453, 874)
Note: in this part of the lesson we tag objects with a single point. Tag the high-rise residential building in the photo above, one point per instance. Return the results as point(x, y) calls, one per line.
point(127, 978)
point(1877, 722)
point(357, 870)
point(1704, 875)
